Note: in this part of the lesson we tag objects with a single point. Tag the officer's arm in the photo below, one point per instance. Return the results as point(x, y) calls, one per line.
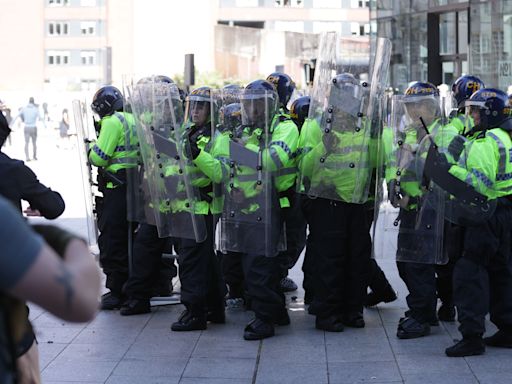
point(282, 146)
point(310, 152)
point(49, 203)
point(481, 165)
point(104, 148)
point(210, 163)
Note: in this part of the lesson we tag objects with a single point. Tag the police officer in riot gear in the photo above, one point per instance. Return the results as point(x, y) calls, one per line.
point(295, 222)
point(483, 274)
point(114, 152)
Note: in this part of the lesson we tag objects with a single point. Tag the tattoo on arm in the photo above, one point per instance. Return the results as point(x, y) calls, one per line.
point(64, 278)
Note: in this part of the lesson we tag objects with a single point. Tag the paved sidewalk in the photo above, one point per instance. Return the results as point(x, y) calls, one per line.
point(142, 349)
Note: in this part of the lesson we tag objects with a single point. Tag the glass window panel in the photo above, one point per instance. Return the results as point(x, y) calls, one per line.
point(448, 72)
point(463, 32)
point(447, 43)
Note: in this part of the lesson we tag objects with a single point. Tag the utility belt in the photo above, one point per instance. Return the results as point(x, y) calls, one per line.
point(116, 178)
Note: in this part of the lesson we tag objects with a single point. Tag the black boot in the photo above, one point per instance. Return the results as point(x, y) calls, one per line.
point(468, 346)
point(189, 322)
point(410, 328)
point(283, 318)
point(258, 329)
point(353, 320)
point(110, 301)
point(135, 307)
point(446, 313)
point(386, 296)
point(329, 324)
point(217, 316)
point(500, 339)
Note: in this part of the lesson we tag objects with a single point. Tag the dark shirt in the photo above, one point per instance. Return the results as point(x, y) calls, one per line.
point(18, 182)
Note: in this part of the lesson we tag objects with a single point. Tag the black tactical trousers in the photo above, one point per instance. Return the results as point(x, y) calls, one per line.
point(341, 229)
point(309, 263)
point(295, 226)
point(113, 238)
point(482, 277)
point(202, 286)
point(261, 274)
point(150, 274)
point(233, 273)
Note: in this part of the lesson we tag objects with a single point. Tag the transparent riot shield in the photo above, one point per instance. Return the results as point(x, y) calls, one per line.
point(344, 118)
point(409, 220)
point(137, 201)
point(159, 118)
point(445, 165)
point(92, 197)
point(250, 218)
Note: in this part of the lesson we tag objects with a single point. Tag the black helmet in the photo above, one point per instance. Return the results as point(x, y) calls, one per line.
point(284, 86)
point(299, 110)
point(464, 87)
point(493, 106)
point(107, 100)
point(258, 98)
point(230, 116)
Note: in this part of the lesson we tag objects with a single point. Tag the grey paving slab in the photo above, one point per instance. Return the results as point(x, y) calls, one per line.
point(207, 347)
point(83, 371)
point(229, 368)
point(494, 378)
point(377, 371)
point(107, 335)
point(112, 319)
point(418, 363)
point(356, 336)
point(139, 380)
point(289, 336)
point(48, 352)
point(277, 373)
point(426, 377)
point(366, 352)
point(95, 352)
point(162, 348)
point(284, 354)
point(198, 380)
point(46, 320)
point(159, 335)
point(150, 367)
point(56, 334)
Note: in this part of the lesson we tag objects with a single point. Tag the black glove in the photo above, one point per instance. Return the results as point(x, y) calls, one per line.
point(394, 195)
point(57, 238)
point(97, 126)
point(191, 150)
point(456, 147)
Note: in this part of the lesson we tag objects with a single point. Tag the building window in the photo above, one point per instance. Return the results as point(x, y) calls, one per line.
point(327, 4)
point(289, 3)
point(360, 3)
point(357, 29)
point(58, 28)
point(58, 3)
point(88, 28)
point(88, 57)
point(57, 57)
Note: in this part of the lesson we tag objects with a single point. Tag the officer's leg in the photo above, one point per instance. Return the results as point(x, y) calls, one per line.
point(328, 226)
point(114, 227)
point(146, 261)
point(471, 287)
point(308, 265)
point(194, 260)
point(295, 225)
point(356, 266)
point(500, 279)
point(216, 284)
point(381, 289)
point(233, 274)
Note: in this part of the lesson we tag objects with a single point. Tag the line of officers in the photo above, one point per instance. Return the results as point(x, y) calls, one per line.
point(231, 178)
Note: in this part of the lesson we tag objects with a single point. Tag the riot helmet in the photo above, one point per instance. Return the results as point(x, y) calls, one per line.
point(464, 87)
point(230, 117)
point(107, 100)
point(284, 86)
point(343, 103)
point(231, 94)
point(421, 102)
point(197, 106)
point(299, 110)
point(259, 104)
point(489, 108)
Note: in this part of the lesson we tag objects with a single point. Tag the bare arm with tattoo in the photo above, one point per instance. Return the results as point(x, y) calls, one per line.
point(69, 287)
